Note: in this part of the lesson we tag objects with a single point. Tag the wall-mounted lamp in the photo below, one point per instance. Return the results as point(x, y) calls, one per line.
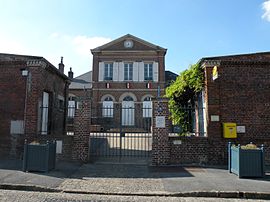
point(24, 72)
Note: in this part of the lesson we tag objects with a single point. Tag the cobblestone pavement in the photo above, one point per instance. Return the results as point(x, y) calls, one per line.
point(19, 196)
point(137, 179)
point(119, 185)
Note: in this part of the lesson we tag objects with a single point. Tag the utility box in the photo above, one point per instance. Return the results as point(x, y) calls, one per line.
point(229, 130)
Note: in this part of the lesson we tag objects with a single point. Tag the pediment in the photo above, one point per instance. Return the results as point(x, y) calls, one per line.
point(137, 45)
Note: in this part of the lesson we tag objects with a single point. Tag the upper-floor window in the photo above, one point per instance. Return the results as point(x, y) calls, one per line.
point(128, 72)
point(108, 71)
point(148, 71)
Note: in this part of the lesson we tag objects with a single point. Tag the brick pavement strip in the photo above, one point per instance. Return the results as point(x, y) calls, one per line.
point(18, 196)
point(115, 185)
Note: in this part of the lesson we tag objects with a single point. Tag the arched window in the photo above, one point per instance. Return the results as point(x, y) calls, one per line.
point(107, 107)
point(128, 98)
point(108, 99)
point(147, 99)
point(147, 107)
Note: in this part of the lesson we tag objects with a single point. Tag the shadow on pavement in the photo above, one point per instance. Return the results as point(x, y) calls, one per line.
point(129, 171)
point(63, 169)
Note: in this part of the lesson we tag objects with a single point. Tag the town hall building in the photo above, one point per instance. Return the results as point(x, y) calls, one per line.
point(127, 73)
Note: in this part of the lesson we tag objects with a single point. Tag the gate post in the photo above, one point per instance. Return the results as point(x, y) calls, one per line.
point(160, 131)
point(82, 131)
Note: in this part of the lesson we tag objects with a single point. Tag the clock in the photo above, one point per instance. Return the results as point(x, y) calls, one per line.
point(128, 44)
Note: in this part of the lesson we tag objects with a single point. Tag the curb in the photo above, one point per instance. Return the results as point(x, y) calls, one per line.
point(21, 187)
point(206, 194)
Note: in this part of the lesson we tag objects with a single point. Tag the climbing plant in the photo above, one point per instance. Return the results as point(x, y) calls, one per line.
point(181, 94)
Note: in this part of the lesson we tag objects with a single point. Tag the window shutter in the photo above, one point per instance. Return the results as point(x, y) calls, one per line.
point(101, 71)
point(141, 71)
point(115, 71)
point(121, 71)
point(135, 71)
point(155, 71)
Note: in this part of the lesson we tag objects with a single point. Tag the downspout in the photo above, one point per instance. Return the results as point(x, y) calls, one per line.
point(25, 73)
point(66, 106)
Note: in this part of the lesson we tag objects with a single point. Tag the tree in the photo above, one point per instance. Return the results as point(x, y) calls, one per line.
point(181, 94)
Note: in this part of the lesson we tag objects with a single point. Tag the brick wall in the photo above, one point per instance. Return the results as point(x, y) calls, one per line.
point(12, 91)
point(80, 150)
point(188, 150)
point(240, 95)
point(43, 80)
point(206, 151)
point(160, 144)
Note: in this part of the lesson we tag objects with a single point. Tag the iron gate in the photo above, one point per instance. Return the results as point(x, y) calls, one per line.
point(121, 130)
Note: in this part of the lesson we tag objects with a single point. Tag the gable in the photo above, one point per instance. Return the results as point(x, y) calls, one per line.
point(137, 45)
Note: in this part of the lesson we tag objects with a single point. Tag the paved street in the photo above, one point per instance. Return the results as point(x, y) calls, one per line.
point(132, 181)
point(19, 196)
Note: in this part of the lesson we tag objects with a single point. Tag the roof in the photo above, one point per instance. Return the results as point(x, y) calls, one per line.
point(16, 57)
point(128, 36)
point(83, 81)
point(259, 56)
point(170, 77)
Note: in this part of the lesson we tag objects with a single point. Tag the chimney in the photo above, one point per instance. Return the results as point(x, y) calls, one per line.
point(70, 73)
point(61, 66)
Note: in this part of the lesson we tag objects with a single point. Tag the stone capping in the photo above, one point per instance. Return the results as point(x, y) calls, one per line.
point(211, 63)
point(36, 63)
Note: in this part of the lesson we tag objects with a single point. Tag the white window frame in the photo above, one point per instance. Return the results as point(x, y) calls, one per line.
point(147, 108)
point(45, 113)
point(71, 108)
point(107, 107)
point(108, 68)
point(147, 75)
point(128, 71)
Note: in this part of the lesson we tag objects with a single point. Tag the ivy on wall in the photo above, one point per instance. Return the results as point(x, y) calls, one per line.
point(181, 94)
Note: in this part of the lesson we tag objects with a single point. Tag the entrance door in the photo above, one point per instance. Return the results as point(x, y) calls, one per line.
point(128, 111)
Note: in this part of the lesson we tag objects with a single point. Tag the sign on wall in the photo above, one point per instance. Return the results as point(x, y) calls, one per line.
point(241, 129)
point(215, 73)
point(160, 121)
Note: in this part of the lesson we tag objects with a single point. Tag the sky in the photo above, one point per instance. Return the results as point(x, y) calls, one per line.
point(189, 29)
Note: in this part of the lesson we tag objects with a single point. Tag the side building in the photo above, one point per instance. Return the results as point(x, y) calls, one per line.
point(33, 102)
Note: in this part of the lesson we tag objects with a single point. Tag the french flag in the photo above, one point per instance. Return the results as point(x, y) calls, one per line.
point(148, 85)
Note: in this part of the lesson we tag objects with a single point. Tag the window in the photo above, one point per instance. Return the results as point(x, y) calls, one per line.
point(45, 114)
point(108, 71)
point(128, 72)
point(107, 107)
point(71, 108)
point(147, 108)
point(148, 71)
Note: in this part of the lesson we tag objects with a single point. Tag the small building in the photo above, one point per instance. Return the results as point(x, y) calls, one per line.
point(170, 77)
point(33, 101)
point(237, 91)
point(236, 108)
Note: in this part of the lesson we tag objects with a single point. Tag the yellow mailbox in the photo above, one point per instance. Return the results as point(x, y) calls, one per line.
point(229, 130)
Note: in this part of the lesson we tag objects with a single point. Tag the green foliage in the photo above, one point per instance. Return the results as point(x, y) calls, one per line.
point(182, 92)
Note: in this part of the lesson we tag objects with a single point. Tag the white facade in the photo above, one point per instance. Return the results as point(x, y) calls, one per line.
point(138, 71)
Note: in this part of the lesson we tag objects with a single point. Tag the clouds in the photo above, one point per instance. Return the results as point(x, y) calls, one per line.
point(266, 9)
point(74, 49)
point(83, 44)
point(13, 46)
